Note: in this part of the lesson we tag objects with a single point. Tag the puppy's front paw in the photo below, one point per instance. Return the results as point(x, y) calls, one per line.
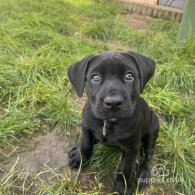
point(121, 189)
point(143, 177)
point(74, 157)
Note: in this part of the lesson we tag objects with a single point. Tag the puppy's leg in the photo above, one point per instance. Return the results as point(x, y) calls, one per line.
point(124, 173)
point(148, 144)
point(82, 153)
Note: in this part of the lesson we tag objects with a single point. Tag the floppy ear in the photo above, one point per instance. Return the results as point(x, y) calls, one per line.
point(77, 73)
point(145, 66)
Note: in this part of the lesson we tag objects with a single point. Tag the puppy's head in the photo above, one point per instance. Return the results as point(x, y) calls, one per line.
point(113, 80)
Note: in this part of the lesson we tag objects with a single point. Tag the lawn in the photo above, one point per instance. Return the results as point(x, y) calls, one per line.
point(38, 41)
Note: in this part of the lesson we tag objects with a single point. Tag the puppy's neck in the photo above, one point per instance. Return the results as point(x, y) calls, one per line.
point(106, 126)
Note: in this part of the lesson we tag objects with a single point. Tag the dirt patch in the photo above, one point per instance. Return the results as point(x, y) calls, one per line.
point(138, 22)
point(50, 150)
point(45, 163)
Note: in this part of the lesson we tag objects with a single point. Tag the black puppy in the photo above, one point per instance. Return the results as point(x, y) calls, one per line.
point(114, 113)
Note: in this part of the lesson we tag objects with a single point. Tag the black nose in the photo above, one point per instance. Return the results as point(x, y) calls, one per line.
point(113, 101)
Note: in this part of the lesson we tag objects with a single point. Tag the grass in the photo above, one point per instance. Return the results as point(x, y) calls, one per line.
point(178, 153)
point(40, 39)
point(57, 183)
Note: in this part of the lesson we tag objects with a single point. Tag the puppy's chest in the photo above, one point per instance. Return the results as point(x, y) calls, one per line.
point(110, 134)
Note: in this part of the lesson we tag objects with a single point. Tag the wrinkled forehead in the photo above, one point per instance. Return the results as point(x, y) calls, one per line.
point(112, 64)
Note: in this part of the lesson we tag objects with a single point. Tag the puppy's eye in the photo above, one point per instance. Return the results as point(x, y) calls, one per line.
point(96, 78)
point(128, 77)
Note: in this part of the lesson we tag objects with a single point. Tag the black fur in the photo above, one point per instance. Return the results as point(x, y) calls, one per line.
point(114, 104)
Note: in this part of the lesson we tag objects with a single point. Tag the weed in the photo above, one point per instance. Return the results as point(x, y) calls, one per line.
point(177, 144)
point(105, 158)
point(177, 77)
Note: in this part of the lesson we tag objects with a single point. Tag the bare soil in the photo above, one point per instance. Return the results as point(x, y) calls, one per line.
point(138, 22)
point(49, 151)
point(36, 154)
point(45, 157)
